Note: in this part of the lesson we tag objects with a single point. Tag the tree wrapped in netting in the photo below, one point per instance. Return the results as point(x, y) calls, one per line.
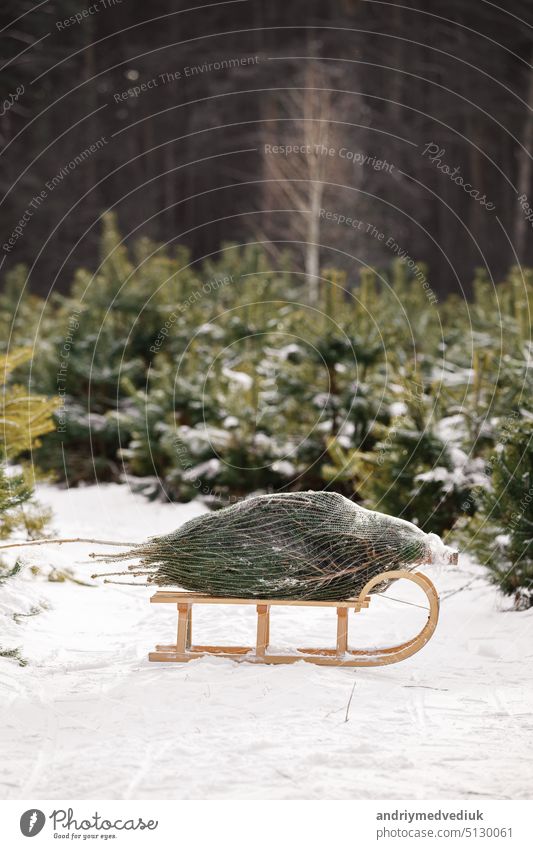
point(306, 545)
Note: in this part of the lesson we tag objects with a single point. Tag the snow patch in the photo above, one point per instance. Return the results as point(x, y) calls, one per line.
point(90, 717)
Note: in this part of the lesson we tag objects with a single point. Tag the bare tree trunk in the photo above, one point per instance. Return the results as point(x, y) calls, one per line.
point(298, 183)
point(312, 250)
point(523, 179)
point(91, 99)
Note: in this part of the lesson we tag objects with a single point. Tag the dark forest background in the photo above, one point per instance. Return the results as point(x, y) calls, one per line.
point(183, 161)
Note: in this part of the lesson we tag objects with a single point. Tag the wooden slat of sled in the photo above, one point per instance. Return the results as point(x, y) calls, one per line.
point(183, 651)
point(171, 597)
point(319, 659)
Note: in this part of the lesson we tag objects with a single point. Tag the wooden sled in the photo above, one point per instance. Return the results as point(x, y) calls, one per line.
point(184, 651)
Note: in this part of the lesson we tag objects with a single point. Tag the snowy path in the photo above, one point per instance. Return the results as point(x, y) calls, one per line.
point(91, 718)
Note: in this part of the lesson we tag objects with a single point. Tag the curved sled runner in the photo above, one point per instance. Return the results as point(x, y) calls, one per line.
point(183, 650)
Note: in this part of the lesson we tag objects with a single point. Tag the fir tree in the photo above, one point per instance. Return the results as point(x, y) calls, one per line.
point(24, 418)
point(502, 534)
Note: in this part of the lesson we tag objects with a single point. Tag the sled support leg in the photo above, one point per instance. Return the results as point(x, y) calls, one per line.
point(188, 642)
point(263, 629)
point(183, 639)
point(342, 631)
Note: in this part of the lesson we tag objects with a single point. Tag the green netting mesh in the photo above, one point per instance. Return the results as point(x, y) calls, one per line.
point(308, 545)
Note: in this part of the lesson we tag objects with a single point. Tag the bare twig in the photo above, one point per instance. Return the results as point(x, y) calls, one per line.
point(349, 702)
point(61, 541)
point(131, 574)
point(127, 583)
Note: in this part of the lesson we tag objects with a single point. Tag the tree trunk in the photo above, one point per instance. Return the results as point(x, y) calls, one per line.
point(523, 179)
point(312, 249)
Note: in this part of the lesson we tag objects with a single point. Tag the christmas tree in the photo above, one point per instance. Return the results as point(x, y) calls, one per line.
point(306, 545)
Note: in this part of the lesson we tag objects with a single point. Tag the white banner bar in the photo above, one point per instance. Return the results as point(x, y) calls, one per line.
point(267, 825)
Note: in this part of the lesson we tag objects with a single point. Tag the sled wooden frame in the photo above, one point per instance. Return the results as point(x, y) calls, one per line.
point(183, 650)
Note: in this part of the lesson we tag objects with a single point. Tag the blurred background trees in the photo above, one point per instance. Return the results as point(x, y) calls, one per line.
point(219, 380)
point(184, 159)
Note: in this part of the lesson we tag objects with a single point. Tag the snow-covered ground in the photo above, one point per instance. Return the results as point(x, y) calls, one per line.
point(90, 717)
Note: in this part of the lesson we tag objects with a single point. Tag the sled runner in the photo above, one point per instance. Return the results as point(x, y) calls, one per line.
point(184, 650)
